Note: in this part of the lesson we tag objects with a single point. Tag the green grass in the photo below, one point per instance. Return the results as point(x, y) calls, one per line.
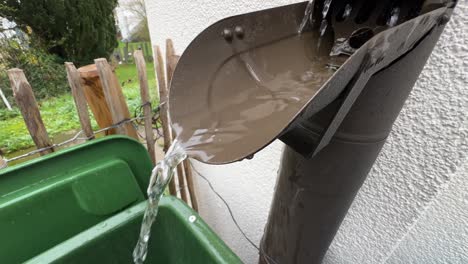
point(127, 75)
point(134, 45)
point(59, 114)
point(145, 46)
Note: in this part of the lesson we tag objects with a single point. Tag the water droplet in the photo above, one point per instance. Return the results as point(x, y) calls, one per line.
point(342, 46)
point(394, 17)
point(324, 24)
point(326, 8)
point(347, 11)
point(192, 219)
point(323, 28)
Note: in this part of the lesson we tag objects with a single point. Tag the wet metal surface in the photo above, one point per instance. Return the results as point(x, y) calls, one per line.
point(229, 99)
point(252, 91)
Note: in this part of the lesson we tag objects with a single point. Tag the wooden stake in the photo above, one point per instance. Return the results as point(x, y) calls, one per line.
point(163, 103)
point(163, 97)
point(182, 185)
point(115, 98)
point(146, 102)
point(170, 52)
point(190, 184)
point(94, 94)
point(170, 63)
point(74, 81)
point(184, 169)
point(5, 101)
point(3, 163)
point(27, 104)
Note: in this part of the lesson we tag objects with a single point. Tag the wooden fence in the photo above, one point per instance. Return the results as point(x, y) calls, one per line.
point(124, 54)
point(96, 87)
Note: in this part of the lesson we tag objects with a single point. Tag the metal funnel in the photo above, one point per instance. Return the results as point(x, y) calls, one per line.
point(250, 79)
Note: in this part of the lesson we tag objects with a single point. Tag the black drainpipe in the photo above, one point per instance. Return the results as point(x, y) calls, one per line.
point(316, 187)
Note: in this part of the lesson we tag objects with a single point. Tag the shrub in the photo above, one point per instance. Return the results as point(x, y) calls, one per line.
point(45, 72)
point(75, 30)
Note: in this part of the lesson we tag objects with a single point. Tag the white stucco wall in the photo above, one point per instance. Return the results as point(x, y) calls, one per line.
point(441, 234)
point(416, 181)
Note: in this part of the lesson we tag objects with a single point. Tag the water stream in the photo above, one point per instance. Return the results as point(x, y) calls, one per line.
point(394, 17)
point(308, 16)
point(160, 178)
point(324, 24)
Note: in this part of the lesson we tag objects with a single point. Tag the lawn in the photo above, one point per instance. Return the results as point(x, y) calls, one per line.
point(144, 46)
point(59, 113)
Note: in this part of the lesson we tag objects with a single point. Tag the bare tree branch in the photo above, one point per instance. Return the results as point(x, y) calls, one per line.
point(136, 7)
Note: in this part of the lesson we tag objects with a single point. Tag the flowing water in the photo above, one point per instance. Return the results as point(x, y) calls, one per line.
point(342, 46)
point(347, 12)
point(324, 24)
point(394, 16)
point(160, 178)
point(308, 16)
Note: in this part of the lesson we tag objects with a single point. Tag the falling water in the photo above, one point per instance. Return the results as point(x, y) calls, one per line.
point(395, 15)
point(342, 46)
point(323, 27)
point(347, 12)
point(160, 178)
point(326, 8)
point(308, 16)
point(324, 24)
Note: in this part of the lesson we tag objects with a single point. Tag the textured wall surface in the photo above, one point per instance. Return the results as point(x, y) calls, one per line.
point(441, 235)
point(417, 179)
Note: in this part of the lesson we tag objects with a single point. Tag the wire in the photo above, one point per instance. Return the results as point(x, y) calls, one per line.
point(260, 250)
point(135, 122)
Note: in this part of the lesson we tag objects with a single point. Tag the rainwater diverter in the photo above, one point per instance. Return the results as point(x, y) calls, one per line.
point(330, 86)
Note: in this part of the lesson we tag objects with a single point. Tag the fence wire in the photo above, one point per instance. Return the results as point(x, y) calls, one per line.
point(268, 259)
point(136, 121)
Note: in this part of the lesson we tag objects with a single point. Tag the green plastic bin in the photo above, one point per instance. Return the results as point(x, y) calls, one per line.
point(85, 205)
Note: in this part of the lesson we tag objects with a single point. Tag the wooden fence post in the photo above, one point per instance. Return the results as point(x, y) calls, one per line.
point(171, 61)
point(74, 81)
point(27, 104)
point(94, 94)
point(3, 163)
point(184, 169)
point(169, 73)
point(163, 101)
point(147, 51)
point(125, 51)
point(145, 102)
point(115, 98)
point(182, 183)
point(163, 96)
point(132, 49)
point(5, 101)
point(190, 184)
